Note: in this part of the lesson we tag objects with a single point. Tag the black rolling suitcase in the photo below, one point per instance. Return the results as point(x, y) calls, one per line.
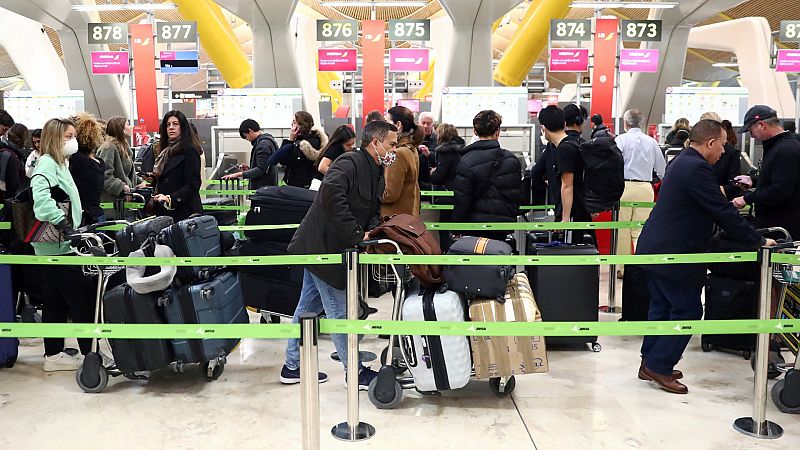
point(274, 289)
point(729, 299)
point(133, 236)
point(196, 236)
point(566, 293)
point(479, 281)
point(224, 217)
point(9, 347)
point(275, 205)
point(123, 305)
point(635, 294)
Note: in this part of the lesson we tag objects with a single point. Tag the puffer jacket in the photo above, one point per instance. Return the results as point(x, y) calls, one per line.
point(448, 156)
point(299, 156)
point(488, 184)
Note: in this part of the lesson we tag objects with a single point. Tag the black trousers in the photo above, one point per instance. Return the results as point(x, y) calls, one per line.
point(68, 294)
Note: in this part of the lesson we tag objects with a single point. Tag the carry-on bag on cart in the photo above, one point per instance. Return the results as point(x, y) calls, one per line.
point(728, 299)
point(479, 281)
point(9, 347)
point(505, 356)
point(217, 300)
point(275, 205)
point(635, 294)
point(437, 362)
point(195, 236)
point(274, 289)
point(224, 217)
point(123, 305)
point(566, 293)
point(133, 236)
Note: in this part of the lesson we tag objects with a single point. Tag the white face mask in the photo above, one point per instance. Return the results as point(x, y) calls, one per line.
point(388, 159)
point(70, 147)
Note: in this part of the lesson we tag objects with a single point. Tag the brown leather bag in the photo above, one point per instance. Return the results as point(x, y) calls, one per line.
point(413, 238)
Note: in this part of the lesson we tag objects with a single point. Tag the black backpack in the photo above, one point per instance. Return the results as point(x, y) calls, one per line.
point(603, 174)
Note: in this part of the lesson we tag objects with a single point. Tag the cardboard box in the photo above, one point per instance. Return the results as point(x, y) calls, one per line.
point(503, 356)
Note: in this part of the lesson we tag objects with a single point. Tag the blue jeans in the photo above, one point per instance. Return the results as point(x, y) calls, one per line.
point(316, 296)
point(669, 300)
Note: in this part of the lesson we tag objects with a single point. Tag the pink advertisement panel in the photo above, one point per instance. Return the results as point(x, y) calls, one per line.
point(409, 59)
point(110, 63)
point(569, 59)
point(337, 60)
point(788, 61)
point(639, 60)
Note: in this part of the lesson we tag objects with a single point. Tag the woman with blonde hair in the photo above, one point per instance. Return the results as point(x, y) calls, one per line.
point(68, 293)
point(120, 174)
point(87, 169)
point(680, 124)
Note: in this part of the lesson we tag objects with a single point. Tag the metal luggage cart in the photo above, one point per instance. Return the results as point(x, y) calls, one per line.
point(395, 356)
point(786, 392)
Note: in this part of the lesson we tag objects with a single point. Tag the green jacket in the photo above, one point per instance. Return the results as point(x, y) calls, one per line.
point(119, 173)
point(44, 207)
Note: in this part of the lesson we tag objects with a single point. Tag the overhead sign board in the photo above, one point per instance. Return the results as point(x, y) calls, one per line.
point(634, 60)
point(790, 30)
point(570, 30)
point(337, 30)
point(410, 30)
point(409, 59)
point(640, 30)
point(176, 32)
point(337, 59)
point(108, 33)
point(190, 95)
point(174, 62)
point(788, 61)
point(411, 103)
point(569, 59)
point(110, 63)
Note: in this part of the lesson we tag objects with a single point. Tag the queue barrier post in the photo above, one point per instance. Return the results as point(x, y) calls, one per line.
point(353, 429)
point(309, 383)
point(758, 426)
point(612, 269)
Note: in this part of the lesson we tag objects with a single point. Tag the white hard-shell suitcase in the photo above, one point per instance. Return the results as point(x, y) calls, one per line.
point(437, 363)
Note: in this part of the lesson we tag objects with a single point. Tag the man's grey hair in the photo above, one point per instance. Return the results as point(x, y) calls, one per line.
point(633, 118)
point(425, 114)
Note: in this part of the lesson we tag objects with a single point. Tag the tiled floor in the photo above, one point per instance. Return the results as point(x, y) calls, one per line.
point(588, 400)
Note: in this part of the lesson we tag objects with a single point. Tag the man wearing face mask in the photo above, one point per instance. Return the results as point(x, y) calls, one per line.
point(345, 209)
point(689, 204)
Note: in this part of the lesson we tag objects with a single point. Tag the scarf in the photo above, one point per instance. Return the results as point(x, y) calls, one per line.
point(163, 157)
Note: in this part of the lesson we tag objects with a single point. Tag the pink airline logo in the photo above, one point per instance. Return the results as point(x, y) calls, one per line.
point(639, 60)
point(409, 59)
point(110, 63)
point(338, 60)
point(569, 59)
point(788, 61)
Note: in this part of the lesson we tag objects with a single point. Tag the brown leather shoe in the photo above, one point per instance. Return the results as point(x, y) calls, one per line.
point(677, 374)
point(667, 383)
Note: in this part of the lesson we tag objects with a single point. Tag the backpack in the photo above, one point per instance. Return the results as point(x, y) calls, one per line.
point(603, 174)
point(413, 238)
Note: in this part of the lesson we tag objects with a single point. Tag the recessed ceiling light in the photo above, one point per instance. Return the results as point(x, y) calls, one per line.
point(124, 6)
point(343, 4)
point(626, 5)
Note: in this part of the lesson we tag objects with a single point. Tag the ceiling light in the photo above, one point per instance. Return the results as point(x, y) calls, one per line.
point(626, 5)
point(342, 4)
point(725, 64)
point(124, 6)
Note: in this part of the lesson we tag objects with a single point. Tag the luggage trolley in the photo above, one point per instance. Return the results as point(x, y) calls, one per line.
point(786, 392)
point(386, 390)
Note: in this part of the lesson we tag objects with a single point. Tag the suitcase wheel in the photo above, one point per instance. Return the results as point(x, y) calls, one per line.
point(502, 387)
point(772, 366)
point(212, 369)
point(385, 392)
point(596, 347)
point(785, 393)
point(706, 346)
point(10, 362)
point(91, 376)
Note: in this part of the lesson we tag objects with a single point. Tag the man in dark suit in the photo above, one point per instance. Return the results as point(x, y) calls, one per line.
point(689, 204)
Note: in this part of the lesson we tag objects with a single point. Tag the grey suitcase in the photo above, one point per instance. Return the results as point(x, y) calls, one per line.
point(195, 236)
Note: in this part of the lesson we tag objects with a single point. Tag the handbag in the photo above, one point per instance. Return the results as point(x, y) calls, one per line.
point(30, 229)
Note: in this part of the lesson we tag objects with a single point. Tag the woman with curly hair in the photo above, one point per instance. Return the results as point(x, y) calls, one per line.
point(87, 169)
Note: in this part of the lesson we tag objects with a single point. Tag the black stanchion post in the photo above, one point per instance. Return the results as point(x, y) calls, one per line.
point(309, 382)
point(758, 426)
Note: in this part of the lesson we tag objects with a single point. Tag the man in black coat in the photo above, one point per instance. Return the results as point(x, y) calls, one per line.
point(259, 172)
point(777, 194)
point(689, 204)
point(347, 205)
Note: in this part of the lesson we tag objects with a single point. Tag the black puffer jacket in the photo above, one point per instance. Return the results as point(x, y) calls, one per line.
point(299, 157)
point(449, 155)
point(488, 184)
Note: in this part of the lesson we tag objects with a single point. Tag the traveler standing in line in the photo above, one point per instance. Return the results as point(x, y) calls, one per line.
point(177, 168)
point(642, 156)
point(343, 140)
point(30, 161)
point(120, 175)
point(374, 115)
point(599, 129)
point(402, 179)
point(449, 151)
point(729, 165)
point(791, 127)
point(682, 221)
point(300, 151)
point(488, 179)
point(259, 172)
point(68, 293)
point(777, 186)
point(427, 150)
point(6, 122)
point(344, 210)
point(680, 124)
point(87, 169)
point(12, 171)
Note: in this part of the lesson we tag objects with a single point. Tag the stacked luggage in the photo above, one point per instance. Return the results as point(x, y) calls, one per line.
point(9, 347)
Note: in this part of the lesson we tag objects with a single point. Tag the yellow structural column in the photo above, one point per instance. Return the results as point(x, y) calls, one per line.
point(529, 41)
point(427, 78)
point(218, 40)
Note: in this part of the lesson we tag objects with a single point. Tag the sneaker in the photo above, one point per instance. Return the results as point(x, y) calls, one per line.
point(292, 376)
point(62, 361)
point(365, 377)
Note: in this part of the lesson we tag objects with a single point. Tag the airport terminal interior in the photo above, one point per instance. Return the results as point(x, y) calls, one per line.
point(282, 135)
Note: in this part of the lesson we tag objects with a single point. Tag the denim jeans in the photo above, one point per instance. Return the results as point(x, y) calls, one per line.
point(316, 296)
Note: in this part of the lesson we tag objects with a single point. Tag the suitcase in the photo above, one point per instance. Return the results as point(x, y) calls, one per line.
point(123, 305)
point(215, 301)
point(9, 347)
point(635, 294)
point(479, 281)
point(274, 289)
point(275, 205)
point(224, 217)
point(437, 363)
point(132, 236)
point(566, 293)
point(196, 236)
point(727, 299)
